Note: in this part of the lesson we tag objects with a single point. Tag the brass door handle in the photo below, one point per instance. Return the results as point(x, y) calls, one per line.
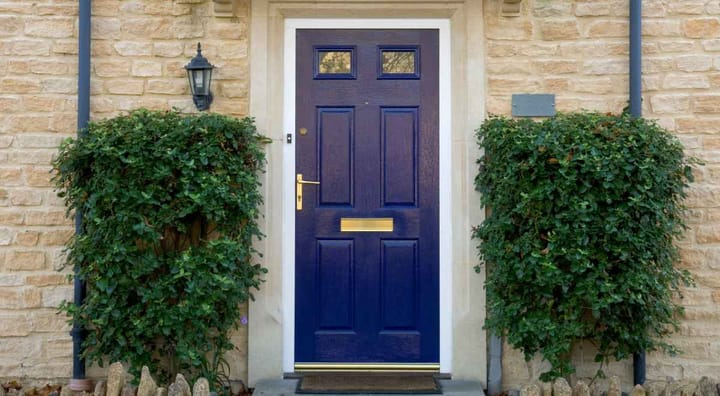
point(299, 190)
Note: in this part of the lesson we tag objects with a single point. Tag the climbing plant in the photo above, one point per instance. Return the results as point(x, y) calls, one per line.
point(169, 207)
point(583, 212)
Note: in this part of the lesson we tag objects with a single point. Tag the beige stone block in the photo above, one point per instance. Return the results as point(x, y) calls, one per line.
point(229, 30)
point(16, 67)
point(146, 69)
point(714, 79)
point(611, 28)
point(508, 67)
point(556, 66)
point(497, 85)
point(539, 49)
point(52, 279)
point(38, 176)
point(661, 28)
point(10, 25)
point(594, 85)
point(703, 197)
point(509, 29)
point(594, 49)
point(125, 87)
point(25, 261)
point(716, 299)
point(6, 236)
point(559, 30)
point(557, 84)
point(56, 237)
point(168, 86)
point(15, 325)
point(49, 321)
point(61, 27)
point(46, 218)
point(65, 47)
point(59, 85)
point(102, 49)
point(10, 176)
point(552, 9)
point(606, 66)
point(48, 67)
point(168, 49)
point(10, 104)
point(11, 218)
point(685, 81)
point(706, 104)
point(707, 233)
point(652, 8)
point(658, 64)
point(592, 9)
point(177, 69)
point(60, 349)
point(711, 45)
point(65, 123)
point(111, 68)
point(133, 48)
point(27, 238)
point(694, 63)
point(670, 104)
point(686, 7)
point(57, 9)
point(105, 28)
point(501, 50)
point(702, 27)
point(19, 85)
point(144, 28)
point(25, 197)
point(53, 296)
point(698, 125)
point(234, 89)
point(28, 123)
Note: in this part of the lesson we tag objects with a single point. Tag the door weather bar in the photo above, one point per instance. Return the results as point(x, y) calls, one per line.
point(399, 367)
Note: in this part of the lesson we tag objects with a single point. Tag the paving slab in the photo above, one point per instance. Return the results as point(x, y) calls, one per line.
point(287, 387)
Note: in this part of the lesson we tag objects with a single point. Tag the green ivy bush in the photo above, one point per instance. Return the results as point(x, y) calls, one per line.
point(170, 207)
point(584, 209)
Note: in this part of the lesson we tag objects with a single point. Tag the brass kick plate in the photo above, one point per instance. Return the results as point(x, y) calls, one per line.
point(368, 367)
point(376, 224)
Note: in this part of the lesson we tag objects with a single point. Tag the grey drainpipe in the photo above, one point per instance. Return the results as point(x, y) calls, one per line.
point(636, 111)
point(78, 382)
point(495, 366)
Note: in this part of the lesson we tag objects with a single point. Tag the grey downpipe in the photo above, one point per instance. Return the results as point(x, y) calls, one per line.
point(495, 366)
point(78, 333)
point(636, 111)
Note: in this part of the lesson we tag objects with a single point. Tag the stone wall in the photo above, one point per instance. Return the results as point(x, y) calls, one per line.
point(139, 48)
point(578, 50)
point(575, 49)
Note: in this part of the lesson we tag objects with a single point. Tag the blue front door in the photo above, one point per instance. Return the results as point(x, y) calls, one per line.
point(366, 261)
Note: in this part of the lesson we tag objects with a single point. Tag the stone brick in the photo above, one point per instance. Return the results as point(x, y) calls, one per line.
point(65, 47)
point(509, 30)
point(56, 237)
point(706, 104)
point(111, 68)
point(702, 27)
point(25, 261)
point(133, 48)
point(661, 28)
point(711, 45)
point(19, 85)
point(46, 218)
point(694, 63)
point(49, 27)
point(144, 28)
point(707, 234)
point(59, 85)
point(556, 66)
point(11, 218)
point(234, 89)
point(47, 280)
point(168, 87)
point(53, 296)
point(125, 87)
point(676, 45)
point(685, 81)
point(10, 25)
point(27, 238)
point(605, 67)
point(608, 29)
point(6, 236)
point(658, 64)
point(10, 104)
point(60, 349)
point(559, 30)
point(25, 197)
point(15, 325)
point(65, 123)
point(167, 49)
point(592, 9)
point(10, 176)
point(32, 157)
point(670, 104)
point(38, 176)
point(57, 10)
point(105, 28)
point(686, 7)
point(146, 69)
point(233, 31)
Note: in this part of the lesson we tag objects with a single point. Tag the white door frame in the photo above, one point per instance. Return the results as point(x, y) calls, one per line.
point(445, 176)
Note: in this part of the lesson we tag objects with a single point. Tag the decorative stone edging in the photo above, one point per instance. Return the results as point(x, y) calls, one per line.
point(703, 387)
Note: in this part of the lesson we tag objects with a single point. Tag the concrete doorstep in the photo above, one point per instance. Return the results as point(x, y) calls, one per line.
point(286, 387)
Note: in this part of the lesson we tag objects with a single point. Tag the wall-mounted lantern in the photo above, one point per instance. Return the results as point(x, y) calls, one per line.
point(199, 72)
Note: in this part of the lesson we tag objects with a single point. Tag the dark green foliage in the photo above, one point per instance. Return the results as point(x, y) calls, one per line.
point(584, 210)
point(169, 205)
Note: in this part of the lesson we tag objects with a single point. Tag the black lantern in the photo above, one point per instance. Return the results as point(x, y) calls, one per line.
point(199, 72)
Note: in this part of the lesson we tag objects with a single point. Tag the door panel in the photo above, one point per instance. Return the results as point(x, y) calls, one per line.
point(368, 101)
